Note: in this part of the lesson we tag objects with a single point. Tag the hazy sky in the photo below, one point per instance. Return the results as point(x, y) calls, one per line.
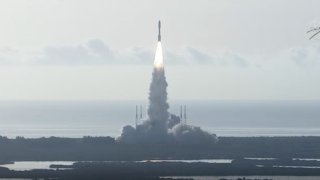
point(226, 49)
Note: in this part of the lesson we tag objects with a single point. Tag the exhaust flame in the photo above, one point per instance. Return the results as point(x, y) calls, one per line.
point(158, 60)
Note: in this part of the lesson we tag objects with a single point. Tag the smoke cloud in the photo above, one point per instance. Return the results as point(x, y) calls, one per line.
point(161, 126)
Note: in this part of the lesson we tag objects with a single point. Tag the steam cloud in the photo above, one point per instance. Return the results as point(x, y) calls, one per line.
point(161, 126)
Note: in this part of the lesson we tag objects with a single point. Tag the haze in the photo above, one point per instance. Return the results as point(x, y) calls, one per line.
point(81, 50)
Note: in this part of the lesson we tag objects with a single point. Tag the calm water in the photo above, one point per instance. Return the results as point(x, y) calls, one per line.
point(29, 165)
point(105, 118)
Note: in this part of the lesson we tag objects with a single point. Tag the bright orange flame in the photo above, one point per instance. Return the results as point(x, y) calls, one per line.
point(158, 60)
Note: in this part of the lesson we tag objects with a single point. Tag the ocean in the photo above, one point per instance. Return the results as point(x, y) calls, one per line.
point(33, 119)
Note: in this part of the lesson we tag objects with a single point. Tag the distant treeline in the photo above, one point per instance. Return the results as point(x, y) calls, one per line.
point(105, 148)
point(278, 162)
point(53, 142)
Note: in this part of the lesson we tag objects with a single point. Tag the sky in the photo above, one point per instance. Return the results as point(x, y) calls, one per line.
point(213, 49)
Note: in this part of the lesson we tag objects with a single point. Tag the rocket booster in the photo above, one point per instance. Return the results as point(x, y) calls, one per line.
point(159, 26)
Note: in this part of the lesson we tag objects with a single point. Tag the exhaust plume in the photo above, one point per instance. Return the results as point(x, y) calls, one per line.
point(161, 126)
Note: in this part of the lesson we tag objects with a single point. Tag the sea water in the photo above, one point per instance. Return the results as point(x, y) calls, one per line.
point(34, 119)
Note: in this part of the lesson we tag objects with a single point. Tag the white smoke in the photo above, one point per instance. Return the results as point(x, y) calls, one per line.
point(160, 126)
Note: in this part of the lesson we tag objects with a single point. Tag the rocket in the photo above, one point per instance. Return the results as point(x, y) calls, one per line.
point(159, 26)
